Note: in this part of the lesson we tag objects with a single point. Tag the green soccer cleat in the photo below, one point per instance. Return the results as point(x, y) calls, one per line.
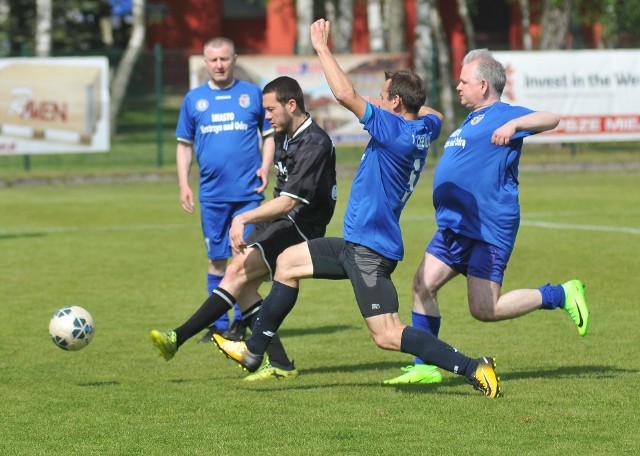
point(485, 379)
point(416, 373)
point(576, 305)
point(166, 343)
point(238, 352)
point(271, 372)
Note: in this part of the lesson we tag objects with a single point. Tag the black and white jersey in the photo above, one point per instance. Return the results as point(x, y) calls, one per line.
point(306, 165)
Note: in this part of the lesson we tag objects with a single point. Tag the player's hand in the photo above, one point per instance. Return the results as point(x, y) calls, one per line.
point(186, 199)
point(264, 177)
point(320, 34)
point(503, 134)
point(236, 236)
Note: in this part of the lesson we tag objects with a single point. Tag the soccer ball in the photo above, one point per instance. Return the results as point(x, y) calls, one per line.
point(71, 328)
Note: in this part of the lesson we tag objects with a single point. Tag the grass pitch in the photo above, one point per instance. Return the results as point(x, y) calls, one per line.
point(127, 253)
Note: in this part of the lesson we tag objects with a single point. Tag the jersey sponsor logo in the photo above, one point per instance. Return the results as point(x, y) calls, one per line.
point(223, 97)
point(476, 120)
point(202, 105)
point(223, 117)
point(455, 140)
point(282, 171)
point(422, 142)
point(245, 100)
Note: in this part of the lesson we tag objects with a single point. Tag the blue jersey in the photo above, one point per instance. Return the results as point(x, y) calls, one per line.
point(388, 172)
point(475, 185)
point(223, 125)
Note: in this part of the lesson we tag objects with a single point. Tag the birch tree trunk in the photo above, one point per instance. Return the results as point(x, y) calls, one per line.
point(444, 64)
point(469, 32)
point(394, 12)
point(423, 52)
point(525, 14)
point(122, 76)
point(43, 28)
point(556, 19)
point(374, 19)
point(304, 16)
point(341, 24)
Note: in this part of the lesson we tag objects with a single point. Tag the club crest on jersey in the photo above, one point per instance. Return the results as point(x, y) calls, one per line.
point(244, 100)
point(476, 120)
point(202, 105)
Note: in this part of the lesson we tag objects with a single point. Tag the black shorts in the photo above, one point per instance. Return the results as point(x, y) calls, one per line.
point(369, 273)
point(273, 237)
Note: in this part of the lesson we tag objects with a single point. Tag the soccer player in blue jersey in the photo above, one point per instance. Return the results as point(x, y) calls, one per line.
point(372, 244)
point(220, 120)
point(475, 195)
point(303, 203)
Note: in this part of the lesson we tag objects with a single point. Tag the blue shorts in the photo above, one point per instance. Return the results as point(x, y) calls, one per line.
point(469, 256)
point(216, 222)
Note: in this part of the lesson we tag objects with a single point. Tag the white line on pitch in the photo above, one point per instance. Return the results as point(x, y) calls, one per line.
point(569, 226)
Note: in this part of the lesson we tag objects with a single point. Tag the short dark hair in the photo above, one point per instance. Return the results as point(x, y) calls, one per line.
point(286, 89)
point(409, 87)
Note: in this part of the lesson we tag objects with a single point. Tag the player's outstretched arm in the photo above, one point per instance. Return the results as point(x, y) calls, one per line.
point(538, 121)
point(339, 83)
point(424, 110)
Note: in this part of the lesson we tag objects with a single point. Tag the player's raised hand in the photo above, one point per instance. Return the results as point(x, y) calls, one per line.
point(320, 34)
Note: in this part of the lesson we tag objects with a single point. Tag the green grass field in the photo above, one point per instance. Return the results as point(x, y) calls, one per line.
point(127, 253)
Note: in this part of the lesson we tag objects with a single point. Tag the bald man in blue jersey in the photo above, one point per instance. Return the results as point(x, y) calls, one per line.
point(220, 121)
point(372, 244)
point(475, 195)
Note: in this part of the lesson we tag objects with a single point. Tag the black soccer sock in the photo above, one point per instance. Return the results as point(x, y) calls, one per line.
point(217, 304)
point(432, 350)
point(275, 350)
point(275, 307)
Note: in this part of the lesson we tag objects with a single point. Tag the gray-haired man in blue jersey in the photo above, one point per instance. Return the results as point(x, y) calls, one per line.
point(372, 243)
point(475, 195)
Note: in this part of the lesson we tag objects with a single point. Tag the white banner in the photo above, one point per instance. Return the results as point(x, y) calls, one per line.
point(596, 93)
point(54, 105)
point(366, 71)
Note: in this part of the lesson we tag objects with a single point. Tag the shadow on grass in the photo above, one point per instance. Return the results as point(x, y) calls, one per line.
point(21, 235)
point(331, 329)
point(567, 371)
point(99, 384)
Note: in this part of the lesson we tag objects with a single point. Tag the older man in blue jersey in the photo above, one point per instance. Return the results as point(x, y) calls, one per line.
point(220, 120)
point(372, 243)
point(475, 195)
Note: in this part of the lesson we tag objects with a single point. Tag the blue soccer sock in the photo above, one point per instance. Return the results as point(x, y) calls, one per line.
point(426, 322)
point(552, 296)
point(213, 281)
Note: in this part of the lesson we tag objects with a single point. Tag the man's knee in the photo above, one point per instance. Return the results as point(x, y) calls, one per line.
point(483, 311)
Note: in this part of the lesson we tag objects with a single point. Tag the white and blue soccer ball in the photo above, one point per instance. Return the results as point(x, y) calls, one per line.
point(71, 328)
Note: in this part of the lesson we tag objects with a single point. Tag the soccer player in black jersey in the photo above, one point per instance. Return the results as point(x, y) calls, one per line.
point(303, 203)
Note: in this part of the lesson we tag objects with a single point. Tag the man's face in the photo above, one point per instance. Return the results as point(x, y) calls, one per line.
point(386, 103)
point(276, 113)
point(220, 63)
point(470, 89)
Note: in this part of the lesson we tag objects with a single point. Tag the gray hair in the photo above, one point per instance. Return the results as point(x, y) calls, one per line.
point(219, 42)
point(488, 69)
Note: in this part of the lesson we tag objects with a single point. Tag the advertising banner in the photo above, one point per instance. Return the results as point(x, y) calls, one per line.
point(595, 92)
point(366, 71)
point(54, 105)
